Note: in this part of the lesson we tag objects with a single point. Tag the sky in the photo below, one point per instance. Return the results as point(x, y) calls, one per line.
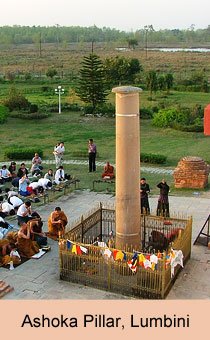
point(120, 14)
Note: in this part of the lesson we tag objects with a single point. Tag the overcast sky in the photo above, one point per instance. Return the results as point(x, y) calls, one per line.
point(120, 14)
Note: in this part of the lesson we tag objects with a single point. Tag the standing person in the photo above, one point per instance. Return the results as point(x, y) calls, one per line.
point(144, 191)
point(58, 153)
point(163, 203)
point(92, 155)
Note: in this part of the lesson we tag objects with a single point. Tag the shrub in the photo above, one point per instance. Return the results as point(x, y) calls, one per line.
point(22, 153)
point(106, 109)
point(146, 113)
point(152, 158)
point(3, 114)
point(29, 116)
point(16, 101)
point(33, 108)
point(81, 154)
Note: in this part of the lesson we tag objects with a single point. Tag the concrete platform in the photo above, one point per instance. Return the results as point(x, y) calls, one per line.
point(39, 279)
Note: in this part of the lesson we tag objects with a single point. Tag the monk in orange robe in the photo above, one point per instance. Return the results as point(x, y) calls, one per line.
point(57, 222)
point(108, 171)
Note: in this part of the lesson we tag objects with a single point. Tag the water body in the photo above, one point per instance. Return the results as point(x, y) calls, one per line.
point(179, 49)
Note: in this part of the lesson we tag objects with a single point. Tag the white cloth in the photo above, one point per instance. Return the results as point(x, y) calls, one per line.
point(12, 193)
point(34, 185)
point(15, 201)
point(4, 173)
point(43, 182)
point(59, 150)
point(59, 174)
point(22, 210)
point(176, 258)
point(6, 207)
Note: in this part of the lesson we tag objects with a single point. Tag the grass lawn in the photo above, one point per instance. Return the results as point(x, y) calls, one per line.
point(75, 130)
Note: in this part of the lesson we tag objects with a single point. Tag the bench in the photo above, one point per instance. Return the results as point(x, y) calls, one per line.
point(106, 181)
point(65, 185)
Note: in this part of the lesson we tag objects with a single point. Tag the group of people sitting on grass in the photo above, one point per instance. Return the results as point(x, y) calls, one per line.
point(27, 241)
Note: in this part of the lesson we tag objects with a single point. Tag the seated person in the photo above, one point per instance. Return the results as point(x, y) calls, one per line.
point(59, 175)
point(21, 172)
point(24, 213)
point(45, 183)
point(23, 183)
point(4, 248)
point(36, 232)
point(33, 188)
point(14, 255)
point(10, 192)
point(5, 175)
point(26, 247)
point(15, 201)
point(36, 160)
point(12, 169)
point(35, 170)
point(108, 171)
point(49, 175)
point(7, 209)
point(57, 222)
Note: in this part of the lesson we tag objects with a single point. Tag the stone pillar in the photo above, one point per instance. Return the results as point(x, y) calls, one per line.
point(127, 168)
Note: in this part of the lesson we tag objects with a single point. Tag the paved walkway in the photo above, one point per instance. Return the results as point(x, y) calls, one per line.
point(154, 170)
point(39, 279)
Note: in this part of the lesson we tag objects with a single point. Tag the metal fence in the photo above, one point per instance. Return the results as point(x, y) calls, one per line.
point(99, 271)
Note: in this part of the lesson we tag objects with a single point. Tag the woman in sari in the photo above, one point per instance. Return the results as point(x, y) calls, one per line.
point(25, 245)
point(57, 222)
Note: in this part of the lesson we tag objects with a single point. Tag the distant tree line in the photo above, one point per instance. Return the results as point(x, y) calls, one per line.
point(76, 34)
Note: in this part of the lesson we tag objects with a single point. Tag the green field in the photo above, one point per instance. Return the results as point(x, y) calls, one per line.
point(76, 129)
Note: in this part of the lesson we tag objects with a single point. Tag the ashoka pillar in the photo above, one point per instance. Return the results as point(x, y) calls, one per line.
point(191, 172)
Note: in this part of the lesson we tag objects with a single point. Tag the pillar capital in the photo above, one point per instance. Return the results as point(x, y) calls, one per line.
point(126, 89)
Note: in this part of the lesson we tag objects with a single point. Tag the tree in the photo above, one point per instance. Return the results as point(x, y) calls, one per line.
point(121, 70)
point(92, 87)
point(152, 81)
point(16, 100)
point(169, 79)
point(51, 72)
point(132, 43)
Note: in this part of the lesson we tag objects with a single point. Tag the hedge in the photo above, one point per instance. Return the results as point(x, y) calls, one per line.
point(22, 153)
point(152, 158)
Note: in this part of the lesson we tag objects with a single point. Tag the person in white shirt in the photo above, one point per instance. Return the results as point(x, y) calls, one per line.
point(15, 201)
point(45, 183)
point(5, 175)
point(59, 175)
point(10, 192)
point(58, 153)
point(7, 208)
point(24, 213)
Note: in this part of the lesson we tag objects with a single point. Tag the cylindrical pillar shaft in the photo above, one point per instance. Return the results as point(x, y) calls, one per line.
point(127, 168)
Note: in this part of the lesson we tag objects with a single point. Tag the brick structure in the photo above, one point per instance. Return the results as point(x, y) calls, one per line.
point(191, 172)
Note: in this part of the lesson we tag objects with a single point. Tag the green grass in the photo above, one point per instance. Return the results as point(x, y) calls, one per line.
point(75, 130)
